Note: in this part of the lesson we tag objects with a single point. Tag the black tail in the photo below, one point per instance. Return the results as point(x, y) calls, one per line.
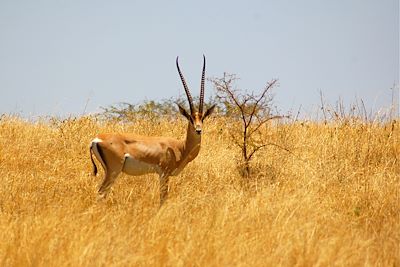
point(94, 164)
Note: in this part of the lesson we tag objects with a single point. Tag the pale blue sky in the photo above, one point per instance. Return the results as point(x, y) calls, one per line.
point(57, 55)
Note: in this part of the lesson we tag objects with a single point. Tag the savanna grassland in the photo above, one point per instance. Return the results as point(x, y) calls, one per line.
point(331, 199)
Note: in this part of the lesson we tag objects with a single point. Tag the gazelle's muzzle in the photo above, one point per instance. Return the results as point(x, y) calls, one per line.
point(198, 129)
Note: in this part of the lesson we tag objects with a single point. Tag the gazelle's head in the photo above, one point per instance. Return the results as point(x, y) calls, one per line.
point(195, 117)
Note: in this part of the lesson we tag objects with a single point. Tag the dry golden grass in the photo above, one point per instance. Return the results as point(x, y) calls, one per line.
point(334, 200)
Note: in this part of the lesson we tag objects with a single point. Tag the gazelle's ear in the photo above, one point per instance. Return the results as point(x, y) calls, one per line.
point(208, 112)
point(183, 112)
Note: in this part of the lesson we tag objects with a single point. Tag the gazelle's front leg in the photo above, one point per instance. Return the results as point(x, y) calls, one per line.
point(164, 178)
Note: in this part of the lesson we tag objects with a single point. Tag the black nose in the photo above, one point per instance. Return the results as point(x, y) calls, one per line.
point(198, 131)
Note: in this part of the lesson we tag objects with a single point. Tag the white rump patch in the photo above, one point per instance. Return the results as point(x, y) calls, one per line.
point(133, 166)
point(93, 147)
point(97, 140)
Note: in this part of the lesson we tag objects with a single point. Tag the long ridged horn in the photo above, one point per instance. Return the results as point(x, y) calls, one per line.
point(202, 86)
point(189, 97)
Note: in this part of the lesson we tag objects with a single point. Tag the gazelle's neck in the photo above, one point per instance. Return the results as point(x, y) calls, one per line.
point(192, 143)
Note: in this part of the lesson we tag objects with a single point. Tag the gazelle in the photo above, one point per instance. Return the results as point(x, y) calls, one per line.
point(137, 155)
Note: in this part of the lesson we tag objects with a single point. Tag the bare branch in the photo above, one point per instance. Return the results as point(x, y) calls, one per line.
point(268, 144)
point(265, 121)
point(261, 97)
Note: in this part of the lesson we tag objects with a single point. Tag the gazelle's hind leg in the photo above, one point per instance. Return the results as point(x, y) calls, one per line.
point(164, 178)
point(109, 179)
point(112, 168)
